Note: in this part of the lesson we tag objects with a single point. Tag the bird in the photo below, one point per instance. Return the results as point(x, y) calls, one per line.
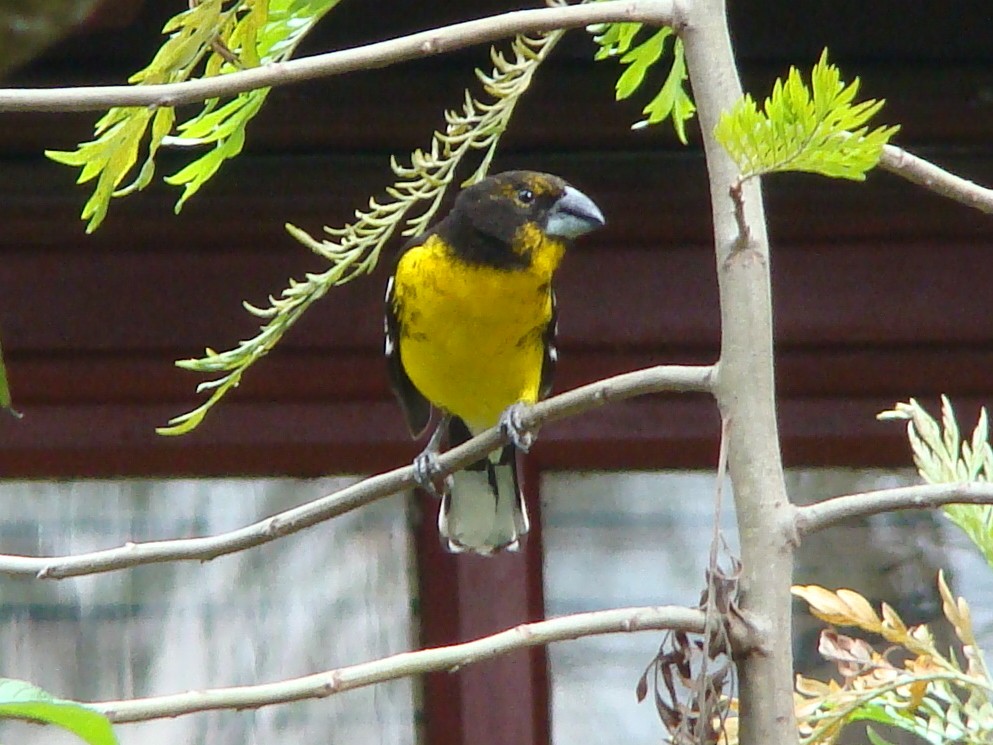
point(470, 326)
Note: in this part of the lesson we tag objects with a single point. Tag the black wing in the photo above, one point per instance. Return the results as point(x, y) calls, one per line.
point(551, 356)
point(416, 409)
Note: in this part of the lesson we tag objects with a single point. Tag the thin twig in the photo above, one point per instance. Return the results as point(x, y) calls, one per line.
point(585, 398)
point(931, 177)
point(702, 678)
point(820, 515)
point(367, 57)
point(722, 474)
point(738, 197)
point(404, 665)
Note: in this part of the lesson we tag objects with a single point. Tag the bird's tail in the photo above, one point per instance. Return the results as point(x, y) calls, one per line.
point(484, 509)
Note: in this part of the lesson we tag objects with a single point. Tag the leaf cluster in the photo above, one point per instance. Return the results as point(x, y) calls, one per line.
point(943, 457)
point(815, 128)
point(691, 702)
point(691, 675)
point(209, 38)
point(412, 202)
point(911, 686)
point(639, 50)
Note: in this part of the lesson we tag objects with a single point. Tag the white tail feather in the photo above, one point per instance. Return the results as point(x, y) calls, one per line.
point(476, 517)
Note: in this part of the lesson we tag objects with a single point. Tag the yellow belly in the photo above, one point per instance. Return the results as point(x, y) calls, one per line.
point(472, 336)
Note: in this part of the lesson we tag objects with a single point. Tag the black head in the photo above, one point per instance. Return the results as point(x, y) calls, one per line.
point(498, 206)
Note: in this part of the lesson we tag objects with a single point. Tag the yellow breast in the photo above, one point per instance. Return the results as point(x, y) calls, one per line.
point(471, 336)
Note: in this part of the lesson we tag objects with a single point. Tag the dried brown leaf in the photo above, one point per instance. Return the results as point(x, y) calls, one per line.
point(641, 690)
point(852, 656)
point(671, 717)
point(687, 678)
point(669, 679)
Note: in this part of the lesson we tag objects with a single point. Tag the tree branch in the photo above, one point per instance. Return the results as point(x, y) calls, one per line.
point(814, 517)
point(931, 177)
point(321, 685)
point(745, 391)
point(367, 57)
point(585, 398)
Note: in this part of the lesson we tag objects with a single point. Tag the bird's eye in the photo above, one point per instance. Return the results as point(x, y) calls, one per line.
point(525, 196)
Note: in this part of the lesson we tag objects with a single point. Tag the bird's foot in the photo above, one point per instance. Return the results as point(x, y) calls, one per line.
point(426, 473)
point(426, 467)
point(512, 425)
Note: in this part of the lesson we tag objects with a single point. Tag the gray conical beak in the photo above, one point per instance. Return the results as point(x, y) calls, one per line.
point(573, 215)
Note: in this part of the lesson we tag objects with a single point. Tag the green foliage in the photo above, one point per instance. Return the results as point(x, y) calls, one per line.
point(617, 40)
point(113, 154)
point(815, 128)
point(943, 457)
point(210, 38)
point(21, 700)
point(224, 129)
point(353, 250)
point(5, 399)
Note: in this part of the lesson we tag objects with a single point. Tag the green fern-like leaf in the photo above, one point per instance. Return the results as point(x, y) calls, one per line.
point(119, 135)
point(112, 156)
point(271, 34)
point(816, 128)
point(614, 38)
point(618, 40)
point(212, 37)
point(638, 61)
point(672, 100)
point(224, 128)
point(943, 457)
point(411, 204)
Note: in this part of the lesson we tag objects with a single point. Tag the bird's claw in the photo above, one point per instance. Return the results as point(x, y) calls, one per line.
point(426, 472)
point(512, 425)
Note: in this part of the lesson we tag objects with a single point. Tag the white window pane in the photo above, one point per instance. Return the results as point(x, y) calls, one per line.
point(335, 594)
point(619, 539)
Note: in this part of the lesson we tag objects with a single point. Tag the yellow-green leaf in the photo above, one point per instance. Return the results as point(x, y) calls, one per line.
point(814, 128)
point(22, 700)
point(5, 398)
point(210, 37)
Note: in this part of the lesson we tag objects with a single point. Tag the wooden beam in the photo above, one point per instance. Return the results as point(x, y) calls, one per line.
point(609, 294)
point(353, 438)
point(329, 376)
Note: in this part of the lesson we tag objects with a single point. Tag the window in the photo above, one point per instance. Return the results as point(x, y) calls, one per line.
point(336, 594)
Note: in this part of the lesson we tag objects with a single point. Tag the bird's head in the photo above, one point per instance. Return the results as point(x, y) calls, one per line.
point(500, 206)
